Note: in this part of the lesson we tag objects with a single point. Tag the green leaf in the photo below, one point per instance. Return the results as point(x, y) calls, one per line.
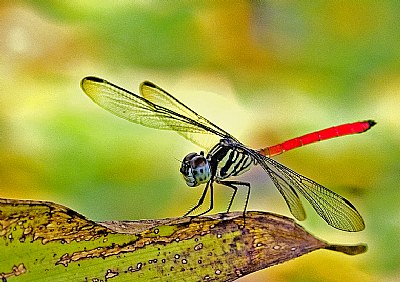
point(43, 241)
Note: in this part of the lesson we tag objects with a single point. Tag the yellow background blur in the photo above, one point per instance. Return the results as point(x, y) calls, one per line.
point(265, 71)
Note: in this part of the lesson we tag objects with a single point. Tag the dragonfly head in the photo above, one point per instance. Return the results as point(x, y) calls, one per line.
point(195, 169)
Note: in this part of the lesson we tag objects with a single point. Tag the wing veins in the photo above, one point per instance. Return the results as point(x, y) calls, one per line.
point(333, 208)
point(137, 109)
point(160, 97)
point(288, 193)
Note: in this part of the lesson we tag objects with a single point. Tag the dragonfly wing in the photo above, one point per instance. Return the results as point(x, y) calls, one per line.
point(159, 96)
point(333, 208)
point(137, 109)
point(289, 194)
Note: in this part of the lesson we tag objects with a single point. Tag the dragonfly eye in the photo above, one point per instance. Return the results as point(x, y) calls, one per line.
point(195, 169)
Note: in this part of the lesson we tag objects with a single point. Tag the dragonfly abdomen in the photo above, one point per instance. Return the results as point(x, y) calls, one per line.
point(327, 133)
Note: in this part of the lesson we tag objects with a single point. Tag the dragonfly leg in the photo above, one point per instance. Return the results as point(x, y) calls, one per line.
point(201, 200)
point(233, 185)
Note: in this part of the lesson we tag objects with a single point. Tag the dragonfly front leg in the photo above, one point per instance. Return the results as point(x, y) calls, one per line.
point(233, 185)
point(201, 200)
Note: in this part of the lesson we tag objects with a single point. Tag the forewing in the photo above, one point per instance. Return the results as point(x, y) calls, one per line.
point(158, 96)
point(333, 208)
point(137, 109)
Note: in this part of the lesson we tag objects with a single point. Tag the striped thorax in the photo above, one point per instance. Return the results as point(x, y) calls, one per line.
point(223, 161)
point(230, 159)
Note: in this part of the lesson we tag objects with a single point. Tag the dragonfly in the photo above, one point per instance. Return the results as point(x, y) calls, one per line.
point(228, 157)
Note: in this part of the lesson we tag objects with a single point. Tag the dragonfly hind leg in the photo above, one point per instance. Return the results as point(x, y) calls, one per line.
point(233, 185)
point(201, 200)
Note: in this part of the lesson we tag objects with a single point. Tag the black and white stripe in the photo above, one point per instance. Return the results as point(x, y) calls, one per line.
point(229, 160)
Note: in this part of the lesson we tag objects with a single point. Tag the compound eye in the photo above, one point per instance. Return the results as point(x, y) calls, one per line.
point(195, 169)
point(186, 163)
point(201, 169)
point(199, 162)
point(189, 157)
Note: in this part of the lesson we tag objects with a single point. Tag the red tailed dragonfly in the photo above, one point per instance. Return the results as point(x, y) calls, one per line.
point(228, 157)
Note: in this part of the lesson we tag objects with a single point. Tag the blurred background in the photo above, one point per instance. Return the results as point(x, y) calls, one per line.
point(265, 71)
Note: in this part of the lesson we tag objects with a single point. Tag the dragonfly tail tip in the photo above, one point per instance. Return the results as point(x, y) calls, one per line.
point(371, 122)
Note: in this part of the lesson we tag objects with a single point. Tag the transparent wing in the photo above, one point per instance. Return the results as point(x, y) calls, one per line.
point(333, 208)
point(139, 110)
point(288, 193)
point(157, 95)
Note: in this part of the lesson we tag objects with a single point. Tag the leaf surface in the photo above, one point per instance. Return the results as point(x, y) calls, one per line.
point(43, 241)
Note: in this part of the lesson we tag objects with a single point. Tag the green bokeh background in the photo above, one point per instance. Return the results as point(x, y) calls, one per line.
point(265, 71)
